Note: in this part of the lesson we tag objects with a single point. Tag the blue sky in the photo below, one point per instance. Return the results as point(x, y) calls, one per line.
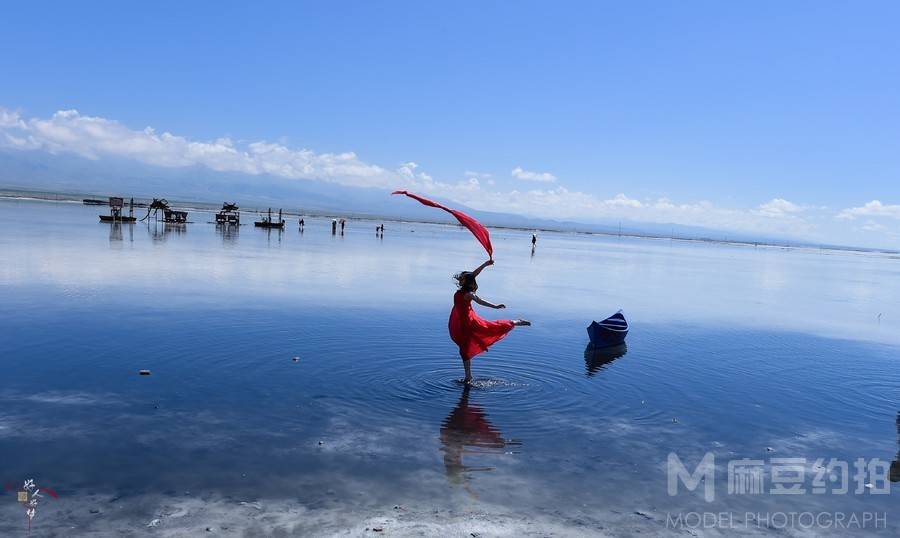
point(720, 105)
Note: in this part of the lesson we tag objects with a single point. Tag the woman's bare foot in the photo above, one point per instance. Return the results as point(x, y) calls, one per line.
point(521, 322)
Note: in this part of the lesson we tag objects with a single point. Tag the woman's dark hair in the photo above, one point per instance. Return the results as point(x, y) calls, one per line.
point(466, 281)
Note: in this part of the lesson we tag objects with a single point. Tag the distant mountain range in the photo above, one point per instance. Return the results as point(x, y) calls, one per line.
point(80, 177)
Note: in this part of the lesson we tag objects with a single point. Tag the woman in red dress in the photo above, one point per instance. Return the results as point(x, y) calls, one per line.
point(471, 332)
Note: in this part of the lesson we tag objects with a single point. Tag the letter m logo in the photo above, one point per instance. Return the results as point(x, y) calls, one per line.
point(705, 472)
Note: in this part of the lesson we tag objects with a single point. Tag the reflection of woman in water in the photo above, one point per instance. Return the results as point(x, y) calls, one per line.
point(467, 430)
point(471, 332)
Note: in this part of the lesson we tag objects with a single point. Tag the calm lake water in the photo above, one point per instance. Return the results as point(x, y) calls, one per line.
point(758, 353)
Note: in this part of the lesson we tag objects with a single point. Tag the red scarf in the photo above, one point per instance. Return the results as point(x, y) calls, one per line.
point(477, 229)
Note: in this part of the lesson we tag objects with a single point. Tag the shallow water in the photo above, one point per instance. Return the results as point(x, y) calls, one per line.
point(740, 351)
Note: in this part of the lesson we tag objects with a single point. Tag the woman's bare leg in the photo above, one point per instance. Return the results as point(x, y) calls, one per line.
point(467, 364)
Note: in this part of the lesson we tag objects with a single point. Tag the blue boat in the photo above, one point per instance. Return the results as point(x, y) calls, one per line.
point(609, 332)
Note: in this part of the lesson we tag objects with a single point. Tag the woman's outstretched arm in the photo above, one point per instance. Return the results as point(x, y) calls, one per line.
point(482, 302)
point(477, 272)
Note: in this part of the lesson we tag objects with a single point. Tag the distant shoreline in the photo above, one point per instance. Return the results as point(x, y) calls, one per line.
point(13, 194)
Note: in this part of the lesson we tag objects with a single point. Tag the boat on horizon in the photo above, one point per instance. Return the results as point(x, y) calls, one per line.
point(116, 204)
point(268, 222)
point(229, 215)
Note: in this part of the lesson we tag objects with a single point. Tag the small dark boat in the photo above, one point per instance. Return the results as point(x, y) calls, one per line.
point(269, 222)
point(116, 204)
point(113, 218)
point(170, 216)
point(229, 215)
point(609, 332)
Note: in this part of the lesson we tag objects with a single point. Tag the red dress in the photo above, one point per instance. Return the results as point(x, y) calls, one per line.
point(471, 332)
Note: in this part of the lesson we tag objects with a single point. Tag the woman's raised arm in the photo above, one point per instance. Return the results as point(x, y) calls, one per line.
point(477, 272)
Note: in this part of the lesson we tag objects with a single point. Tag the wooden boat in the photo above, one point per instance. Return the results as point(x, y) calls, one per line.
point(267, 221)
point(609, 332)
point(265, 224)
point(230, 215)
point(170, 216)
point(116, 204)
point(111, 218)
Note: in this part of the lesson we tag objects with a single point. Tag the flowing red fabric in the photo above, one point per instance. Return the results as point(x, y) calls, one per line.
point(472, 333)
point(477, 229)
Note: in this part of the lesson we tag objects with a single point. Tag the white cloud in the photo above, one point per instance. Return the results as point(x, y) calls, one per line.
point(10, 119)
point(872, 226)
point(779, 207)
point(560, 203)
point(620, 200)
point(93, 137)
point(872, 209)
point(520, 173)
point(477, 175)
